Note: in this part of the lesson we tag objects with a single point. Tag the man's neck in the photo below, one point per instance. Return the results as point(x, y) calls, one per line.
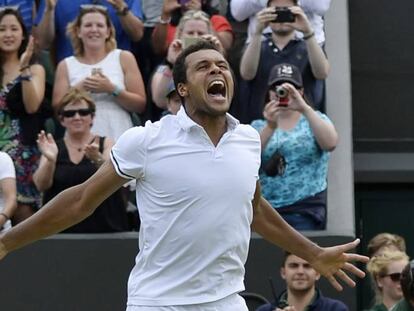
point(388, 302)
point(215, 126)
point(300, 299)
point(282, 40)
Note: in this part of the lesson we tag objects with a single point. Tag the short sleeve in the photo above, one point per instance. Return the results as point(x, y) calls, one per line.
point(258, 125)
point(128, 155)
point(220, 24)
point(135, 8)
point(7, 167)
point(323, 116)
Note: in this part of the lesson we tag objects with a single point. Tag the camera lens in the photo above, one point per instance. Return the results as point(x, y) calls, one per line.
point(281, 92)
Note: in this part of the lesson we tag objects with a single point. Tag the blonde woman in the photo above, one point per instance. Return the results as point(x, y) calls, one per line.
point(194, 25)
point(110, 75)
point(385, 270)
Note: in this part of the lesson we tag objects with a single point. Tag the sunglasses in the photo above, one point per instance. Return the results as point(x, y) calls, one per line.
point(14, 8)
point(395, 277)
point(71, 113)
point(87, 7)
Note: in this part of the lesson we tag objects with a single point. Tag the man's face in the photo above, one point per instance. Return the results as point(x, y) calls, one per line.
point(282, 29)
point(209, 87)
point(298, 274)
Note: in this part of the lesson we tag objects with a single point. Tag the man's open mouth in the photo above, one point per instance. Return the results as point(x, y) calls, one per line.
point(216, 88)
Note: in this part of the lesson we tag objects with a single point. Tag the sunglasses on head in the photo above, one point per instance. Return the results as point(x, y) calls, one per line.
point(14, 8)
point(71, 113)
point(395, 277)
point(87, 7)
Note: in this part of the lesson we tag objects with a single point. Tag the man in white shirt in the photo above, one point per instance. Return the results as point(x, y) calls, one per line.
point(198, 194)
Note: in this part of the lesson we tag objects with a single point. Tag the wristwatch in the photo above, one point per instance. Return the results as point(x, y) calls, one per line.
point(123, 12)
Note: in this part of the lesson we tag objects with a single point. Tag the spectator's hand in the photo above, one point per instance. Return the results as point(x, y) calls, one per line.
point(193, 5)
point(170, 6)
point(2, 221)
point(215, 41)
point(47, 146)
point(27, 54)
point(301, 23)
point(264, 17)
point(118, 5)
point(175, 49)
point(3, 251)
point(296, 101)
point(92, 152)
point(98, 83)
point(332, 262)
point(271, 113)
point(51, 4)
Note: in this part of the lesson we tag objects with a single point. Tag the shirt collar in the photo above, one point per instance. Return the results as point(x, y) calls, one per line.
point(187, 123)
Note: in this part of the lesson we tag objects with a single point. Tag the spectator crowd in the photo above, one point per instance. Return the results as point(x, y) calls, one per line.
point(75, 75)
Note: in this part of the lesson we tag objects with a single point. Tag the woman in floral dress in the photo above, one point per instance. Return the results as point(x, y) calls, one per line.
point(22, 92)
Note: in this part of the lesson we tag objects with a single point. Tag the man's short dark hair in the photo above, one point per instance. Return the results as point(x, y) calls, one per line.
point(180, 68)
point(407, 281)
point(286, 254)
point(296, 2)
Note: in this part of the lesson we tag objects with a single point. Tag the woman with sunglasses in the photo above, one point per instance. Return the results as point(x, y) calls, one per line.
point(22, 92)
point(385, 271)
point(110, 75)
point(73, 159)
point(296, 141)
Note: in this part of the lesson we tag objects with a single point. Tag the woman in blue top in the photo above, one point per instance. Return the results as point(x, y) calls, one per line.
point(296, 141)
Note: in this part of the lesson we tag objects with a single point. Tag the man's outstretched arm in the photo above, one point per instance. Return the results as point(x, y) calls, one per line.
point(66, 209)
point(331, 262)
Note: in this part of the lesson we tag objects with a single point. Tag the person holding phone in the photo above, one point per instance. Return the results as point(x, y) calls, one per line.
point(296, 143)
point(172, 12)
point(193, 27)
point(281, 46)
point(110, 75)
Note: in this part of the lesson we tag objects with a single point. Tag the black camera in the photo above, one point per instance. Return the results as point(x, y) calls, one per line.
point(281, 92)
point(275, 166)
point(284, 15)
point(282, 304)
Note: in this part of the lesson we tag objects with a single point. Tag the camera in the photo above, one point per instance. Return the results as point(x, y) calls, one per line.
point(284, 15)
point(282, 304)
point(188, 41)
point(275, 166)
point(281, 92)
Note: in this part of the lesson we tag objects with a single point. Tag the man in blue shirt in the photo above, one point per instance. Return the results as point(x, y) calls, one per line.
point(27, 9)
point(301, 293)
point(125, 15)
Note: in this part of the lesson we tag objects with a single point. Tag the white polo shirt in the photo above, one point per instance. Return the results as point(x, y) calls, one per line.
point(194, 201)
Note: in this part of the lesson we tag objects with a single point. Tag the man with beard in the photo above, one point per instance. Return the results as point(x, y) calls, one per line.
point(199, 198)
point(280, 46)
point(301, 293)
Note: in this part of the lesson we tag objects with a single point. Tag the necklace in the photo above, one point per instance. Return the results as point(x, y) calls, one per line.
point(77, 148)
